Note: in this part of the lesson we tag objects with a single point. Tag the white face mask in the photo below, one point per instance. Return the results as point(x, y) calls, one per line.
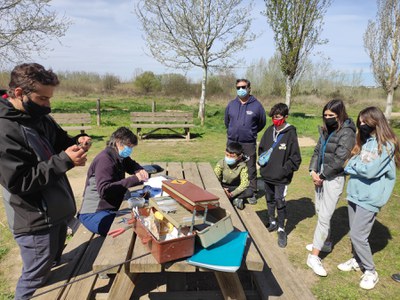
point(242, 93)
point(230, 160)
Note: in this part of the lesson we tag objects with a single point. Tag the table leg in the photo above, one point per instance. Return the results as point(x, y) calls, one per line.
point(230, 285)
point(123, 285)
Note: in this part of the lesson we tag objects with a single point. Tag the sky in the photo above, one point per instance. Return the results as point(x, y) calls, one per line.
point(105, 37)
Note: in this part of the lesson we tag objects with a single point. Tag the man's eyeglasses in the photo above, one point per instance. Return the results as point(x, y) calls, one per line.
point(241, 87)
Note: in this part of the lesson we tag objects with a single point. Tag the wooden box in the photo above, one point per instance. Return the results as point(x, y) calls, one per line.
point(190, 195)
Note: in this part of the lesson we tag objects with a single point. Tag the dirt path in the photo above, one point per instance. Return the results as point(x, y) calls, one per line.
point(306, 142)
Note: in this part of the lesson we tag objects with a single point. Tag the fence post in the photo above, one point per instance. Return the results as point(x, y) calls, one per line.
point(98, 111)
point(153, 106)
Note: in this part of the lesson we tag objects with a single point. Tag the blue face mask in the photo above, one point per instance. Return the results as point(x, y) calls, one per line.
point(127, 151)
point(242, 93)
point(230, 160)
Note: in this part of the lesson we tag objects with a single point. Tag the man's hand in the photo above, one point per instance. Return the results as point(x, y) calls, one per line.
point(85, 142)
point(77, 155)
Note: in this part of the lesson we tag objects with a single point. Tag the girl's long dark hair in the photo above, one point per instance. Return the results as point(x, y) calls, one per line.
point(374, 117)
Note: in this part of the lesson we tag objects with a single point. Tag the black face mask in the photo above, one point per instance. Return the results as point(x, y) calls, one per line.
point(35, 110)
point(365, 132)
point(331, 123)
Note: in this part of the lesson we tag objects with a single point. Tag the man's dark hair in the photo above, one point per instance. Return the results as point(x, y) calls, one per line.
point(244, 80)
point(123, 135)
point(234, 148)
point(279, 109)
point(26, 76)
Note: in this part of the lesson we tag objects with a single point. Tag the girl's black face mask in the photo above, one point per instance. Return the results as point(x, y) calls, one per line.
point(331, 124)
point(365, 132)
point(35, 110)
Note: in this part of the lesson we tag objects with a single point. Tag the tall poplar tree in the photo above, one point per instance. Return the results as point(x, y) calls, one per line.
point(297, 25)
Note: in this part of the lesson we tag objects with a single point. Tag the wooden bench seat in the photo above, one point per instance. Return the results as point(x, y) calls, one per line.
point(162, 120)
point(73, 121)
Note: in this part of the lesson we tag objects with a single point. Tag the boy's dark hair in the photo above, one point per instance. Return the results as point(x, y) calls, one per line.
point(123, 135)
point(279, 109)
point(234, 148)
point(26, 76)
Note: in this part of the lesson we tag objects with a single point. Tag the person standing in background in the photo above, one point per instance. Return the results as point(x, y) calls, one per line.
point(35, 154)
point(244, 119)
point(337, 139)
point(372, 170)
point(281, 142)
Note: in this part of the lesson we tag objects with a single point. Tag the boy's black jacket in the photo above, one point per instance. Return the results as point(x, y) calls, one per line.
point(285, 158)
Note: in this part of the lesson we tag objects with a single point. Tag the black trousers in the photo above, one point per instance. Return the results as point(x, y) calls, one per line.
point(275, 195)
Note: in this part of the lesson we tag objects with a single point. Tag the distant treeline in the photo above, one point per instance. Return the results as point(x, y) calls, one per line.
point(317, 80)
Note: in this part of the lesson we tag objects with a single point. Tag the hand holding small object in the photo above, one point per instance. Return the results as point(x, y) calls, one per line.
point(77, 155)
point(85, 142)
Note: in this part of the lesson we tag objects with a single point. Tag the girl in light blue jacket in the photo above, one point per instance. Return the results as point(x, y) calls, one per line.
point(372, 170)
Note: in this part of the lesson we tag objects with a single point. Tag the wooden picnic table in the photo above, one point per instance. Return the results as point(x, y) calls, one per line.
point(131, 266)
point(126, 246)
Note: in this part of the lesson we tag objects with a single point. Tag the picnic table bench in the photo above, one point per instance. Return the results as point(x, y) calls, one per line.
point(127, 261)
point(73, 121)
point(171, 120)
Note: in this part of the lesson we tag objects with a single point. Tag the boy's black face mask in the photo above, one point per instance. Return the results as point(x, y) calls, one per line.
point(365, 132)
point(35, 110)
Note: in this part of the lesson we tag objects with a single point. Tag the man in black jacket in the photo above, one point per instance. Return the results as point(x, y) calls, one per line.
point(35, 154)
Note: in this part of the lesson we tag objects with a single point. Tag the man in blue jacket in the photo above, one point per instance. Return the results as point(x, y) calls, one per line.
point(244, 118)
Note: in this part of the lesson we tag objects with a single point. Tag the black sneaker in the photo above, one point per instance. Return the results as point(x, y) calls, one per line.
point(396, 277)
point(272, 226)
point(252, 200)
point(240, 204)
point(235, 202)
point(282, 239)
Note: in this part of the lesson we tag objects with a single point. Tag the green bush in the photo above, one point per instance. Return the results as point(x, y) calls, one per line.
point(147, 82)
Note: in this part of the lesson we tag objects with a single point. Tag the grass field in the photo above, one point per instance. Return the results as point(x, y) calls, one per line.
point(208, 144)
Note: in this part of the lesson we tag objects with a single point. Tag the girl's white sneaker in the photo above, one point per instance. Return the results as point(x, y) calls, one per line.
point(368, 280)
point(349, 265)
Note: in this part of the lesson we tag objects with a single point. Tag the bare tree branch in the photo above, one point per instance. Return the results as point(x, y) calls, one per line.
point(26, 27)
point(200, 33)
point(382, 43)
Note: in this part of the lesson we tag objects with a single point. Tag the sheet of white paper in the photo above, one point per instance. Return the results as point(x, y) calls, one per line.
point(155, 181)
